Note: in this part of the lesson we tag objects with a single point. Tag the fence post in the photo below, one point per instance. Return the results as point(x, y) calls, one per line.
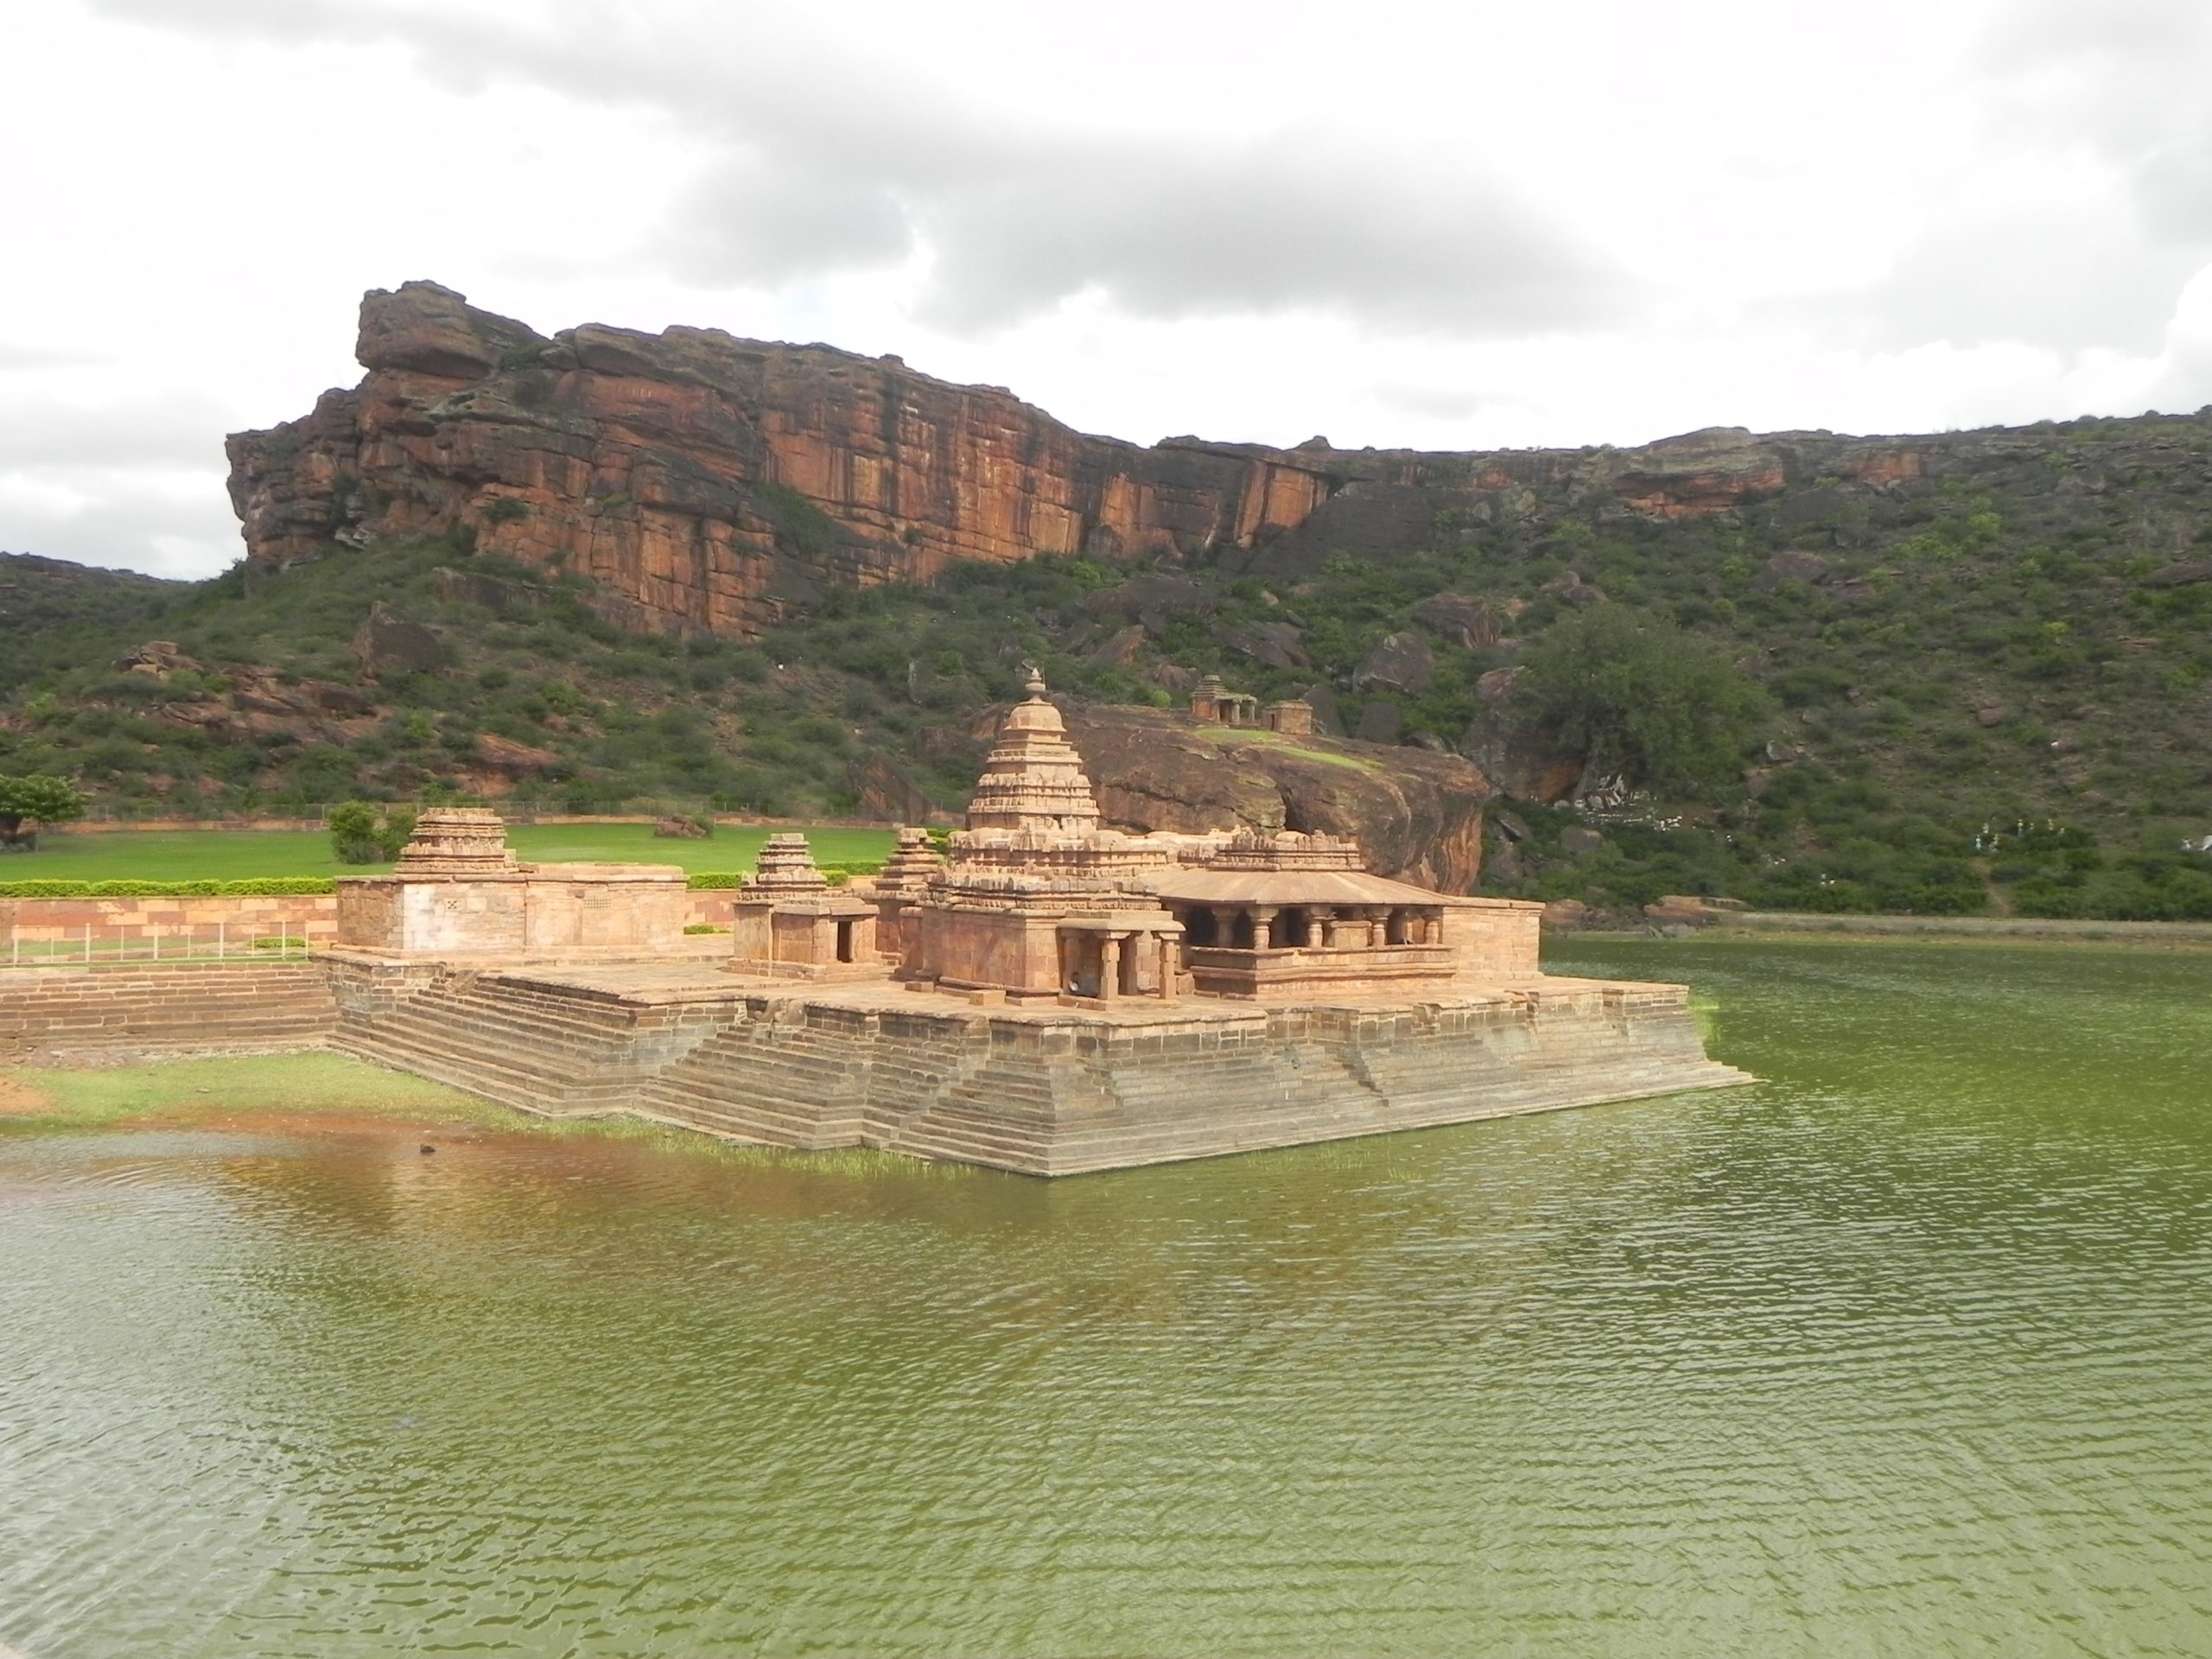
point(88, 944)
point(221, 929)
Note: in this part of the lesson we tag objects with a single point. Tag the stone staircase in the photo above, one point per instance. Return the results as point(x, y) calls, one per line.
point(548, 1048)
point(782, 1083)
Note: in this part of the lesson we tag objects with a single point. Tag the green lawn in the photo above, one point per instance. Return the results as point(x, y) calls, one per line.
point(238, 854)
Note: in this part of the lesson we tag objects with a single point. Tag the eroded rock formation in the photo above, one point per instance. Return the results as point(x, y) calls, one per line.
point(707, 483)
point(1417, 816)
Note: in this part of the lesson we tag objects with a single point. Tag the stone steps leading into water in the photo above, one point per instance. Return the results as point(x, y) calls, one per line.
point(544, 1048)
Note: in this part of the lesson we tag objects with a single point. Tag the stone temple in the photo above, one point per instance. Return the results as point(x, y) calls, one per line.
point(1055, 997)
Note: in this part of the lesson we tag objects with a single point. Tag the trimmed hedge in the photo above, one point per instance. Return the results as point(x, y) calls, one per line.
point(263, 886)
point(259, 886)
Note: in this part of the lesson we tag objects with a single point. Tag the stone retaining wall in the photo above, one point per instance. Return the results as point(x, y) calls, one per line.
point(115, 1015)
point(234, 923)
point(134, 927)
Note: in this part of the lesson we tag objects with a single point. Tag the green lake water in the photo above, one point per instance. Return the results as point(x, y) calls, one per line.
point(1907, 1350)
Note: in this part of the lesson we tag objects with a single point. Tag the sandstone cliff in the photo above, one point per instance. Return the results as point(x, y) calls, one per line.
point(708, 484)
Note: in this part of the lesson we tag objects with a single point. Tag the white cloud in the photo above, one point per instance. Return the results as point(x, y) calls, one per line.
point(1447, 225)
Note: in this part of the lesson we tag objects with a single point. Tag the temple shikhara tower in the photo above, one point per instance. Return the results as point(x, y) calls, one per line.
point(1050, 995)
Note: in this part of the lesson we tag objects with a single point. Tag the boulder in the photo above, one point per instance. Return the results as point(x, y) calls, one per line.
point(1567, 914)
point(1577, 838)
point(1401, 662)
point(1328, 719)
point(1418, 816)
point(2185, 574)
point(1276, 644)
point(1380, 722)
point(1150, 599)
point(388, 643)
point(677, 827)
point(1122, 650)
point(1792, 566)
point(1459, 620)
point(158, 658)
point(1523, 762)
point(1574, 590)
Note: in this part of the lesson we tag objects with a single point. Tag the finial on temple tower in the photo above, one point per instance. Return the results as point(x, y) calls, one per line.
point(1033, 679)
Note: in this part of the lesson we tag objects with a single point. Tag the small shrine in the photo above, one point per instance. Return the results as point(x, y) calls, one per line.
point(1214, 704)
point(789, 922)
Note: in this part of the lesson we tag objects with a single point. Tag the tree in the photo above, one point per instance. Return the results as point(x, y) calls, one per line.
point(35, 797)
point(360, 834)
point(1635, 695)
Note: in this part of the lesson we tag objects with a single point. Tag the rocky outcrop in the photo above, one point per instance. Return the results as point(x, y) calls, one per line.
point(1418, 816)
point(1399, 662)
point(708, 483)
point(389, 643)
point(1523, 762)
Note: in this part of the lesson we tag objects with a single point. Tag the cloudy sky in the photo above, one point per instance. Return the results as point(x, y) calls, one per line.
point(1464, 226)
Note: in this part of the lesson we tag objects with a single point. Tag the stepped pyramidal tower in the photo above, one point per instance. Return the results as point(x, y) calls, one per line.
point(1033, 778)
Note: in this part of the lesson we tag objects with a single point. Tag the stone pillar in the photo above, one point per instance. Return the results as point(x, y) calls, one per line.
point(1168, 967)
point(1110, 968)
point(1225, 926)
point(1325, 926)
point(1263, 921)
point(1378, 928)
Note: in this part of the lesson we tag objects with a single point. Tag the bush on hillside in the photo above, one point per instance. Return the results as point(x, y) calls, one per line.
point(1639, 697)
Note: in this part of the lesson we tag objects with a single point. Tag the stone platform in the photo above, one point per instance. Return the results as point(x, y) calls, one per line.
point(1042, 1090)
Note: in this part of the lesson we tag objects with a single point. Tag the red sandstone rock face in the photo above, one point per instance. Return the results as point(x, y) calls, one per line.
point(708, 480)
point(708, 483)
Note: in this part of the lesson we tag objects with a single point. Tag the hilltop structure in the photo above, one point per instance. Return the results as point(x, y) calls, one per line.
point(1053, 996)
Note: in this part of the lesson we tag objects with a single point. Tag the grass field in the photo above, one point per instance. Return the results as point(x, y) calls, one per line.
point(240, 855)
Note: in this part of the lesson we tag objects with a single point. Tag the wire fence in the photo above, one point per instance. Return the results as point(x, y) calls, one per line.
point(89, 942)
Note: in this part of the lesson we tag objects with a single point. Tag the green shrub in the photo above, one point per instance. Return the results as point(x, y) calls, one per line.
point(715, 881)
point(361, 832)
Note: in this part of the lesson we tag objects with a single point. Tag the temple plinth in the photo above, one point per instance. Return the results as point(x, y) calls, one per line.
point(1054, 996)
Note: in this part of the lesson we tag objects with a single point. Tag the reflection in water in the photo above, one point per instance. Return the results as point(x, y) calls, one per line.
point(1905, 1350)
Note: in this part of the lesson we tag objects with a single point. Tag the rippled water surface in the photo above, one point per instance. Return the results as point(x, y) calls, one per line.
point(1907, 1350)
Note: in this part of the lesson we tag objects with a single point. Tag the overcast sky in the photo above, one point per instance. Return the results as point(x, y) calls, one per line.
point(1465, 225)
